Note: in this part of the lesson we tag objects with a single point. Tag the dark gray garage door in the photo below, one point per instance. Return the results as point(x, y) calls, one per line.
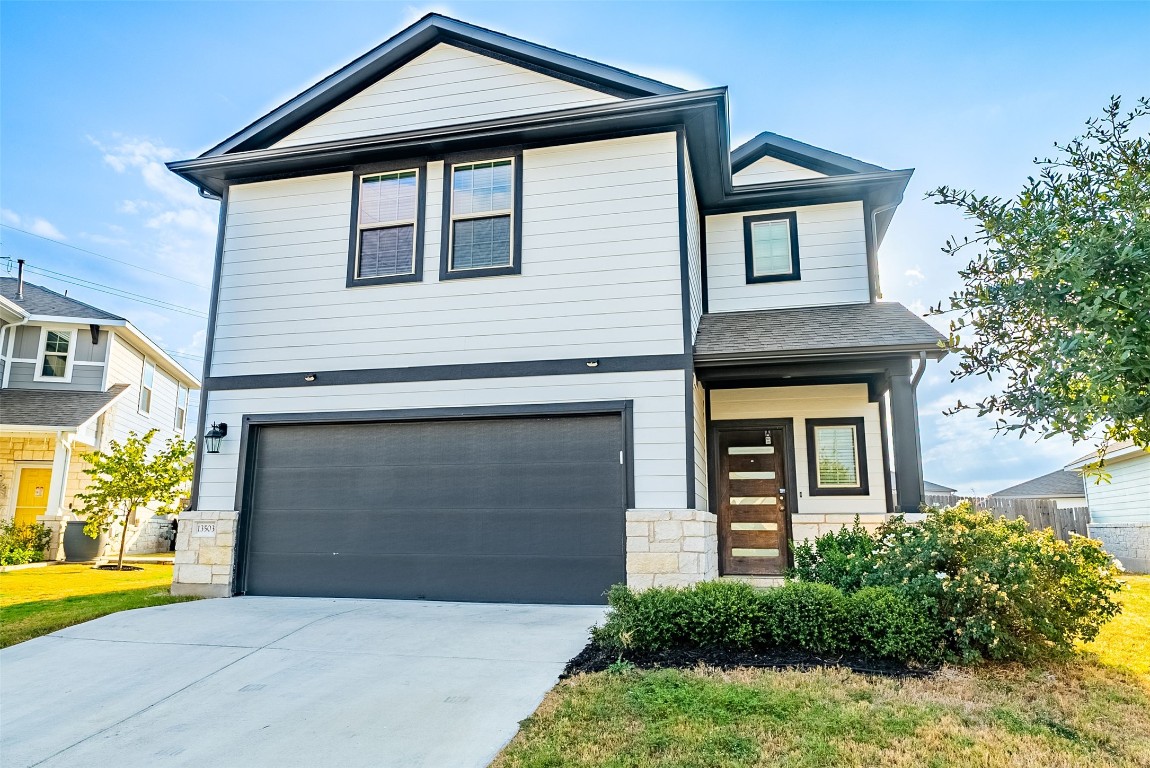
point(508, 509)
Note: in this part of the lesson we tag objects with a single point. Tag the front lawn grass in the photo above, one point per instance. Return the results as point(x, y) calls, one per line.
point(38, 601)
point(1090, 711)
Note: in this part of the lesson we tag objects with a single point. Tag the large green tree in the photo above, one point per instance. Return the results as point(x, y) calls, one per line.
point(127, 476)
point(1056, 296)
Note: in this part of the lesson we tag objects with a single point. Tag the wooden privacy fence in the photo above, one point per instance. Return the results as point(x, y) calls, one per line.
point(1040, 513)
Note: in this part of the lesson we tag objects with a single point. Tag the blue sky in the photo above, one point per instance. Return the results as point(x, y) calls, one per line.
point(96, 96)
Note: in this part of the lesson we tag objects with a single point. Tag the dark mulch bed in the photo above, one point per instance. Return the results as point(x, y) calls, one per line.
point(114, 568)
point(594, 658)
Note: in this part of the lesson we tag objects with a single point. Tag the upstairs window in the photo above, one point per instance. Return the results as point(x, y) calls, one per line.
point(147, 381)
point(481, 232)
point(55, 361)
point(386, 237)
point(836, 457)
point(771, 241)
point(181, 408)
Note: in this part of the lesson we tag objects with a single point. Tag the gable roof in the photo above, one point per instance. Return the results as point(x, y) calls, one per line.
point(63, 409)
point(416, 39)
point(878, 328)
point(1051, 485)
point(768, 144)
point(935, 488)
point(39, 300)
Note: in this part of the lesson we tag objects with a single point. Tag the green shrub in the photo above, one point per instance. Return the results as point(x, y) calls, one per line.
point(22, 543)
point(885, 625)
point(651, 620)
point(811, 617)
point(723, 614)
point(995, 588)
point(841, 558)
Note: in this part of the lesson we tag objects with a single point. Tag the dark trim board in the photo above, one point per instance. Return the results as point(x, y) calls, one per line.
point(252, 423)
point(788, 427)
point(685, 308)
point(792, 219)
point(798, 153)
point(859, 424)
point(631, 364)
point(209, 342)
point(420, 167)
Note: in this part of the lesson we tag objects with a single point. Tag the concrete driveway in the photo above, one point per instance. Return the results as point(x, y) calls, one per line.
point(269, 681)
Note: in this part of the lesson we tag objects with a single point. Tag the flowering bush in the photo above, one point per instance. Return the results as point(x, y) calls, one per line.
point(22, 543)
point(996, 588)
point(842, 558)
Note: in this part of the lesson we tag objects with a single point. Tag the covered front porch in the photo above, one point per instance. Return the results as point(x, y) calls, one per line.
point(811, 420)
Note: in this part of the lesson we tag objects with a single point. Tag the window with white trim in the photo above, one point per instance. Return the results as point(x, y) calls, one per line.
point(482, 209)
point(147, 381)
point(181, 408)
point(837, 456)
point(55, 355)
point(386, 224)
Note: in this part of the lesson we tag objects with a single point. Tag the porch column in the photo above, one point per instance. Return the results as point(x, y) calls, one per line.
point(60, 461)
point(907, 450)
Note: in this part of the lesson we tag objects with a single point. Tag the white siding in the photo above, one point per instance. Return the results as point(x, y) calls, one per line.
point(702, 497)
point(1126, 498)
point(600, 274)
point(832, 261)
point(659, 427)
point(767, 170)
point(813, 402)
point(444, 86)
point(125, 367)
point(694, 246)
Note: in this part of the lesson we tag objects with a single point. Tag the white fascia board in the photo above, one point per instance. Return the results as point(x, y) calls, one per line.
point(1122, 454)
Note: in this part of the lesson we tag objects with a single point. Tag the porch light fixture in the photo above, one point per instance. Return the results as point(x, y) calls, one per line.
point(214, 436)
point(309, 377)
point(592, 363)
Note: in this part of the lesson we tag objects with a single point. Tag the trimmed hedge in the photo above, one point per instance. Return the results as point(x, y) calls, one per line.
point(816, 618)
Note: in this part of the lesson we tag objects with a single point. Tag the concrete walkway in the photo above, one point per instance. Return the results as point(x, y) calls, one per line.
point(265, 681)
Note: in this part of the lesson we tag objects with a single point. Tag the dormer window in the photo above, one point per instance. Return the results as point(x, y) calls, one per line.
point(771, 241)
point(481, 237)
point(56, 352)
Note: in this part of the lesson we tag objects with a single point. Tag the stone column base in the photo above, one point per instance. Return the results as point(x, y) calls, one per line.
point(671, 547)
point(1128, 542)
point(55, 525)
point(205, 553)
point(810, 526)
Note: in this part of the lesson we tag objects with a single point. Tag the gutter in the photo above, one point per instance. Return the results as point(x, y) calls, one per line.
point(7, 339)
point(835, 354)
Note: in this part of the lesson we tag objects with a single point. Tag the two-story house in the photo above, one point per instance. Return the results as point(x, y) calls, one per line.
point(495, 322)
point(72, 379)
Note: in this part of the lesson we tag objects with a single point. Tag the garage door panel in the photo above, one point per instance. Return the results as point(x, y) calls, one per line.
point(480, 486)
point(507, 509)
point(507, 441)
point(476, 532)
point(553, 580)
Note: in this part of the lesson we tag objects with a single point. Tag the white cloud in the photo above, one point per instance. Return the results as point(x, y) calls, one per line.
point(33, 224)
point(104, 239)
point(414, 13)
point(914, 275)
point(196, 345)
point(669, 75)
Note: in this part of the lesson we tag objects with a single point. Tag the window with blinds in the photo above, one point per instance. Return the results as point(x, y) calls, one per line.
point(836, 454)
point(482, 202)
point(386, 221)
point(772, 247)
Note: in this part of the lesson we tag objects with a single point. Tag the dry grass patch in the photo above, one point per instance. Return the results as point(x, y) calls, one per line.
point(1093, 711)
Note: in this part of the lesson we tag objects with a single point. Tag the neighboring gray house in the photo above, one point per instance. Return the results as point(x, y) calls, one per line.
point(495, 322)
point(73, 378)
point(1060, 486)
point(1120, 505)
point(937, 490)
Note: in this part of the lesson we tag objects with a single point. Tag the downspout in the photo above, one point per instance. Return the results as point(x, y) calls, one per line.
point(208, 194)
point(875, 290)
point(918, 372)
point(8, 337)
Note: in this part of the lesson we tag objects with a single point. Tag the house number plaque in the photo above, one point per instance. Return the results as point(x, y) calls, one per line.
point(204, 529)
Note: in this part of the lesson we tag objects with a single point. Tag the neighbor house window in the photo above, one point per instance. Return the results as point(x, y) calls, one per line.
point(836, 457)
point(181, 408)
point(386, 236)
point(147, 380)
point(481, 233)
point(771, 242)
point(55, 355)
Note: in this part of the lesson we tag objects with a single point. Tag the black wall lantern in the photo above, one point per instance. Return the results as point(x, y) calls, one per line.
point(214, 436)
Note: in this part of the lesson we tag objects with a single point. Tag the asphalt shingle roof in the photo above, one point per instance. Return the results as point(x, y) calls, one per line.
point(930, 487)
point(41, 301)
point(1060, 482)
point(780, 333)
point(53, 407)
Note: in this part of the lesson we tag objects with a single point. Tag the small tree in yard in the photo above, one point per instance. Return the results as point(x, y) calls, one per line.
point(1058, 298)
point(126, 478)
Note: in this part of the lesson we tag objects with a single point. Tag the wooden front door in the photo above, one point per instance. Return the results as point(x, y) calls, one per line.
point(752, 501)
point(32, 495)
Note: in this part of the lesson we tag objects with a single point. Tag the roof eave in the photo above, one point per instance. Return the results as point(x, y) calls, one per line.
point(843, 353)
